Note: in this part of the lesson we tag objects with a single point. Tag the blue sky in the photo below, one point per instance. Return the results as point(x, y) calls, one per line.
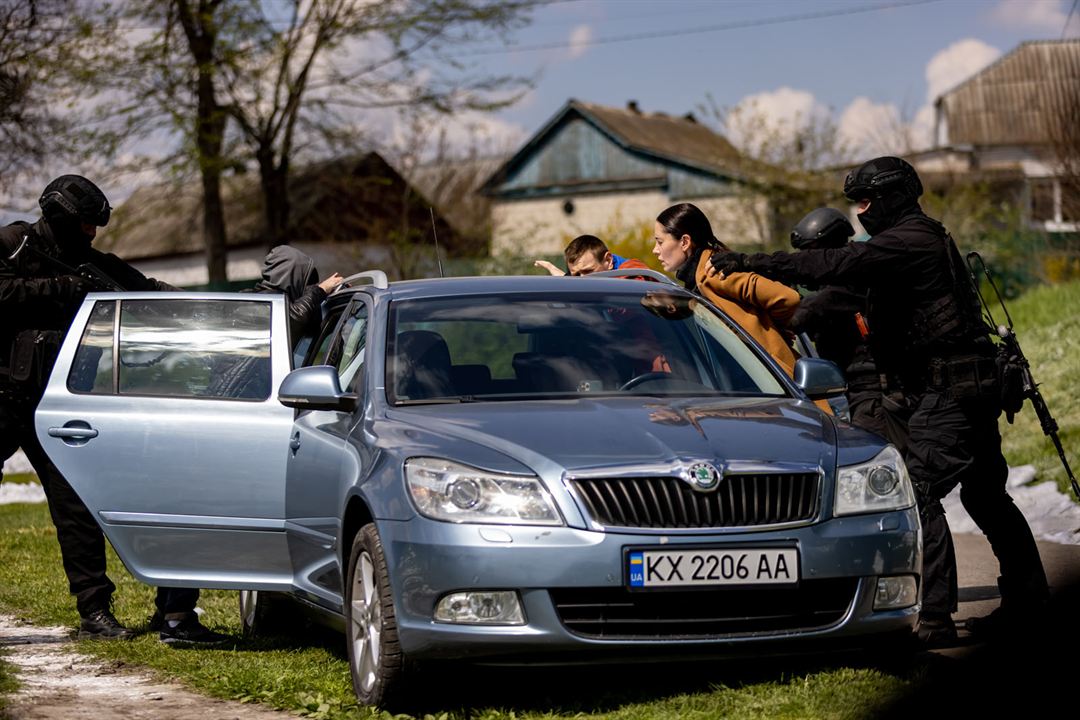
point(873, 65)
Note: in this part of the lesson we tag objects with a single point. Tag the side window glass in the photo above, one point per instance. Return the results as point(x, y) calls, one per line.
point(195, 348)
point(92, 369)
point(326, 337)
point(354, 340)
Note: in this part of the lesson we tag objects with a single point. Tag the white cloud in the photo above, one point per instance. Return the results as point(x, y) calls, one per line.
point(580, 37)
point(957, 63)
point(869, 129)
point(921, 130)
point(768, 117)
point(1044, 15)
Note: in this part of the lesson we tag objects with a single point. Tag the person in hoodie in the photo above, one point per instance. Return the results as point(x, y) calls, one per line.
point(292, 272)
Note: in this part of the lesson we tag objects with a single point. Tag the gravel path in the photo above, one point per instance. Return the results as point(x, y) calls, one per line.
point(58, 683)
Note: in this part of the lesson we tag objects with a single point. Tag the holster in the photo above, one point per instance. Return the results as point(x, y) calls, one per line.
point(32, 355)
point(965, 377)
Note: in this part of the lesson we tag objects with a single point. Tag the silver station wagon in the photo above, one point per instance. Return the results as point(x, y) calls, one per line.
point(498, 470)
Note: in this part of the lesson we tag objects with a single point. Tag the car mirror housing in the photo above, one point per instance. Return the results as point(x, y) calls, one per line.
point(819, 378)
point(315, 388)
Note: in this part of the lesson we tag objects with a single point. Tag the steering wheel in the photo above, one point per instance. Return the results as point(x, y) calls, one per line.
point(644, 378)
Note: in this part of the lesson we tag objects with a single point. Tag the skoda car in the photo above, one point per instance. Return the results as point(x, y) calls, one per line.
point(503, 470)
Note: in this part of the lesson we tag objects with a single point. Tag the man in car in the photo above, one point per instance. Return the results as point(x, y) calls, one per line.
point(40, 292)
point(928, 337)
point(587, 254)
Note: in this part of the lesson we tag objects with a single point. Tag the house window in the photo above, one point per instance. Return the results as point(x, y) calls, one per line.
point(1043, 200)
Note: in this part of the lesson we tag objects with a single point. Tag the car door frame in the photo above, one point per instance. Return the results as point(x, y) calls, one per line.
point(227, 530)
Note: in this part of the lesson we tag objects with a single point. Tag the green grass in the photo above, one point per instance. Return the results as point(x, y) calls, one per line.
point(1047, 323)
point(307, 672)
point(22, 478)
point(8, 684)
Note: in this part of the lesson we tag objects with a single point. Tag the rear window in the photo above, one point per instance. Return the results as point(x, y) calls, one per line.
point(175, 348)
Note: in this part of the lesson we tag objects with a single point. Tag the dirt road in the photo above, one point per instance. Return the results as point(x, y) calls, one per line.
point(58, 683)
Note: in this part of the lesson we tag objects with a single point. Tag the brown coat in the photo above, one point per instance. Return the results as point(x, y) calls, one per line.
point(759, 305)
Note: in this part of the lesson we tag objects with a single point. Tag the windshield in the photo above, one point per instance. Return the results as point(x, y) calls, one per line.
point(660, 343)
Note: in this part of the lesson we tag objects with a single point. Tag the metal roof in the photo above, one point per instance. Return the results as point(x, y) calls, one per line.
point(1013, 101)
point(679, 140)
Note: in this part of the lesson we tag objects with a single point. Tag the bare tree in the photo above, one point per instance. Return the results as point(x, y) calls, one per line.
point(301, 86)
point(241, 79)
point(784, 169)
point(1063, 131)
point(36, 39)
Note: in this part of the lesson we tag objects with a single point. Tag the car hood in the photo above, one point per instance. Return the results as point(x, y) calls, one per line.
point(556, 436)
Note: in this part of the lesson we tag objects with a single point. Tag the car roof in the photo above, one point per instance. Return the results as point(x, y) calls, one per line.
point(511, 284)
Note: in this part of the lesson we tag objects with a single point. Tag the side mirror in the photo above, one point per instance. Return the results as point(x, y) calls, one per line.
point(819, 378)
point(315, 388)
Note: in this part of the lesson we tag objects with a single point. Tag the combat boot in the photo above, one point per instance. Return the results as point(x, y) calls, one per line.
point(936, 631)
point(101, 624)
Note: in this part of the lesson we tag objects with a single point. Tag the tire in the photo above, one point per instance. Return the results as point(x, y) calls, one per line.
point(262, 613)
point(375, 659)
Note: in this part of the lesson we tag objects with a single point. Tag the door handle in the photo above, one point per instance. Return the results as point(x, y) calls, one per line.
point(294, 443)
point(75, 433)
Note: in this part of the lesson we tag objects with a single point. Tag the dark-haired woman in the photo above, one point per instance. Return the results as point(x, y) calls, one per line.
point(684, 241)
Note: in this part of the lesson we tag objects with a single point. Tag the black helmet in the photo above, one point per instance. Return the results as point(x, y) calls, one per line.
point(892, 186)
point(71, 197)
point(821, 228)
point(881, 176)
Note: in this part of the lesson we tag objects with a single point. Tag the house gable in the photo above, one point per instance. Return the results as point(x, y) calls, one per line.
point(1011, 102)
point(592, 149)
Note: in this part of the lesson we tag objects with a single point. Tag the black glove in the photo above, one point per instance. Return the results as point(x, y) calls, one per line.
point(727, 262)
point(71, 287)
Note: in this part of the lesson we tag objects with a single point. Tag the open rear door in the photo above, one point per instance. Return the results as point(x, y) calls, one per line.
point(162, 413)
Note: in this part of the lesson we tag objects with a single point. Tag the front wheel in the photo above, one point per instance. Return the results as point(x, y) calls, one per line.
point(375, 658)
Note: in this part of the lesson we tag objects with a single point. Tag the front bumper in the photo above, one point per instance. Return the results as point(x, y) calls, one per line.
point(428, 559)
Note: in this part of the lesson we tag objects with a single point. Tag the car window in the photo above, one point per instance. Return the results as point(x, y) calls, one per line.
point(320, 349)
point(652, 343)
point(92, 369)
point(353, 343)
point(177, 348)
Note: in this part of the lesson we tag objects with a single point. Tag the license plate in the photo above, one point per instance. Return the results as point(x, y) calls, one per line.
point(743, 566)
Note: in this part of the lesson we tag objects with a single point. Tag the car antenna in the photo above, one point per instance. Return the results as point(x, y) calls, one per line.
point(435, 235)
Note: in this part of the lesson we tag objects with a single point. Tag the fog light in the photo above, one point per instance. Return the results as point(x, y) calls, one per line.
point(480, 607)
point(899, 591)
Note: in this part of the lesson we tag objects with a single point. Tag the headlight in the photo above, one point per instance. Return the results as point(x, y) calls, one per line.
point(445, 490)
point(881, 484)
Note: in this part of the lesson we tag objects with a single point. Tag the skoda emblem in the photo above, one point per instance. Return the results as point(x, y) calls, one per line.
point(703, 476)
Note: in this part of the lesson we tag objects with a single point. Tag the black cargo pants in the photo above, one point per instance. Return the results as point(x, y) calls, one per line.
point(82, 544)
point(952, 442)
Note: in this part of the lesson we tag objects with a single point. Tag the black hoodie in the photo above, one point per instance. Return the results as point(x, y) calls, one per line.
point(291, 272)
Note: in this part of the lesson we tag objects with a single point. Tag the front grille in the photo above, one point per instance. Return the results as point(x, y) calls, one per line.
point(617, 613)
point(669, 502)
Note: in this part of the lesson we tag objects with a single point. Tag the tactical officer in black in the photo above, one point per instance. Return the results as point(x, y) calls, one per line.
point(928, 338)
point(834, 318)
point(40, 292)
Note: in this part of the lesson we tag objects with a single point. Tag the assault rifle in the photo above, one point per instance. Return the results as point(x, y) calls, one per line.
point(1013, 357)
point(97, 279)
